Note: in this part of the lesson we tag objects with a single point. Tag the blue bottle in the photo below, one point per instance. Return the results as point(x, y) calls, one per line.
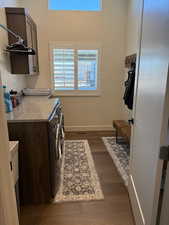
point(7, 99)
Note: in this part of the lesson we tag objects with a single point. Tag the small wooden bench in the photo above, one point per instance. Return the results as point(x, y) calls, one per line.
point(123, 129)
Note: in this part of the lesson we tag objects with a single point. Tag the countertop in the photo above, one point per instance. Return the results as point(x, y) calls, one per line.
point(33, 109)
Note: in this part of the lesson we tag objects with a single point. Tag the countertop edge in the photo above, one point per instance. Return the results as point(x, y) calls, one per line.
point(34, 116)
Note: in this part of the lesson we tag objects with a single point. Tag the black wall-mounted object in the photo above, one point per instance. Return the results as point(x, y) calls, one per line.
point(130, 64)
point(19, 20)
point(130, 61)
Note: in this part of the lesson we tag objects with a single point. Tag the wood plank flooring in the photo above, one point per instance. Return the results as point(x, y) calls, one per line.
point(113, 210)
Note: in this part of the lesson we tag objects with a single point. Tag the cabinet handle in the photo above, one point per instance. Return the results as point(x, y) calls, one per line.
point(11, 166)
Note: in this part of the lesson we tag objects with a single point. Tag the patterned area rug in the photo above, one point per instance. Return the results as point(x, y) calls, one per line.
point(79, 179)
point(120, 155)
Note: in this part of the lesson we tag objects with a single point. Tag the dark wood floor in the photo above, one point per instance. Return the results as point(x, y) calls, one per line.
point(113, 210)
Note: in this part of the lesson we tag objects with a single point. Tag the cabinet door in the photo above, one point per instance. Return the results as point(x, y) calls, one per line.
point(29, 44)
point(35, 47)
point(32, 42)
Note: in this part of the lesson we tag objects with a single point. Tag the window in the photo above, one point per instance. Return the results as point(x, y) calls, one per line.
point(75, 70)
point(86, 5)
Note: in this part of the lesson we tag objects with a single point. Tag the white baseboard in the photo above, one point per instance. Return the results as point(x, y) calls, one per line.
point(137, 211)
point(89, 128)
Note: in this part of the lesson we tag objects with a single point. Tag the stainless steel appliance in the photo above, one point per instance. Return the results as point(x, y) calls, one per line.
point(56, 141)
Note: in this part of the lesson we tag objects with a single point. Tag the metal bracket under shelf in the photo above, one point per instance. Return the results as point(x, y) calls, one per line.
point(28, 52)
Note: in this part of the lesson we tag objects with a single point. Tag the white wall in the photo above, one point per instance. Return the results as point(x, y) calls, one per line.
point(133, 25)
point(16, 82)
point(106, 27)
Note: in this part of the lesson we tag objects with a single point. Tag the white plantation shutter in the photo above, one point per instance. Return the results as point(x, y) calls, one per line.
point(74, 69)
point(63, 71)
point(87, 69)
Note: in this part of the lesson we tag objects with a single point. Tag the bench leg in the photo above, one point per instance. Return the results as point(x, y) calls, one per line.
point(117, 139)
point(116, 133)
point(120, 140)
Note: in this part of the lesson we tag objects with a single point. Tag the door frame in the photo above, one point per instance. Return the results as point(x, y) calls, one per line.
point(136, 208)
point(164, 217)
point(8, 206)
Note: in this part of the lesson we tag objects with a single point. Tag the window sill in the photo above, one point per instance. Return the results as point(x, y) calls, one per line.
point(77, 93)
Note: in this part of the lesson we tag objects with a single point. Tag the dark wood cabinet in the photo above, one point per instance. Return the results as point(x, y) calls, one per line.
point(21, 23)
point(40, 143)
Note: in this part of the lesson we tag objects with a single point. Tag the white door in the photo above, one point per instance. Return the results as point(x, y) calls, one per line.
point(8, 209)
point(150, 122)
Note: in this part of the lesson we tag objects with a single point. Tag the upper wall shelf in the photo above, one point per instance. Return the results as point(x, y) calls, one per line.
point(19, 21)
